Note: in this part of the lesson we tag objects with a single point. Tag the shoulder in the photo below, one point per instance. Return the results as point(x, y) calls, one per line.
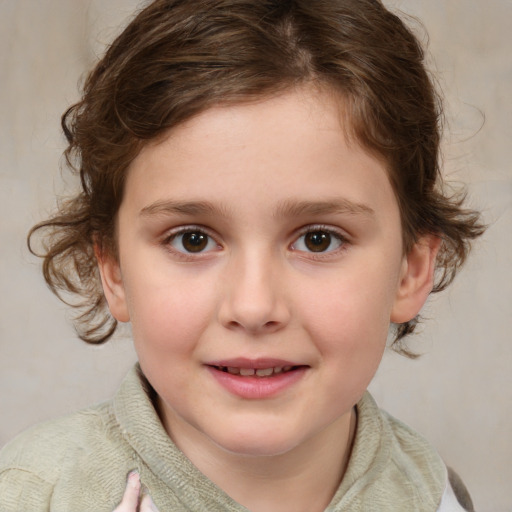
point(413, 453)
point(33, 462)
point(423, 468)
point(69, 463)
point(42, 448)
point(399, 469)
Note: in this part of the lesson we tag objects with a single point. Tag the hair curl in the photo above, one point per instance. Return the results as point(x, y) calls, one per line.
point(178, 58)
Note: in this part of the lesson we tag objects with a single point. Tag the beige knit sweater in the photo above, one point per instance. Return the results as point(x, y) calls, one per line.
point(79, 463)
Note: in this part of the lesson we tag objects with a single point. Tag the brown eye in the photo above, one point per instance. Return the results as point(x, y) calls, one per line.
point(317, 241)
point(195, 242)
point(192, 242)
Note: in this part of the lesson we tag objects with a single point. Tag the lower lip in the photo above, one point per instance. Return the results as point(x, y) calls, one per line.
point(257, 388)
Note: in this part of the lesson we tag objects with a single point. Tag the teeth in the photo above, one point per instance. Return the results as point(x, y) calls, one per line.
point(265, 372)
point(250, 372)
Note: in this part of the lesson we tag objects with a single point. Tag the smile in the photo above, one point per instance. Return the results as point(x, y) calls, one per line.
point(255, 372)
point(257, 379)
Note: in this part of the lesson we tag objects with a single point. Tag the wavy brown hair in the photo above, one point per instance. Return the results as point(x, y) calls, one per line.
point(178, 58)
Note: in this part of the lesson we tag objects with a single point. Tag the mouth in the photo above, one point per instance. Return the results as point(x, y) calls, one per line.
point(257, 379)
point(256, 372)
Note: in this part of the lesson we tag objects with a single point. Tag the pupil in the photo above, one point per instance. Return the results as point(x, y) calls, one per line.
point(318, 241)
point(195, 242)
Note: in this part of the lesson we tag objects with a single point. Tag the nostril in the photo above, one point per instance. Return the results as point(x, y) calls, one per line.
point(271, 325)
point(254, 314)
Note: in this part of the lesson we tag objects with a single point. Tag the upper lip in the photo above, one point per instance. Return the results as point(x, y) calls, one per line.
point(257, 364)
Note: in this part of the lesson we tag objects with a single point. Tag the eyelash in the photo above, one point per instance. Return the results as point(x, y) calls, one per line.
point(200, 230)
point(184, 254)
point(334, 234)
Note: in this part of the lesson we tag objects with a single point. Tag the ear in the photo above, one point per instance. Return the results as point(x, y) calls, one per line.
point(113, 287)
point(416, 280)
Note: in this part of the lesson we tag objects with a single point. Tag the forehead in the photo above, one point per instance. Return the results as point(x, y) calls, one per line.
point(290, 147)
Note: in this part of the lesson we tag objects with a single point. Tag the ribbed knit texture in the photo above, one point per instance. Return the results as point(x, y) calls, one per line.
point(79, 463)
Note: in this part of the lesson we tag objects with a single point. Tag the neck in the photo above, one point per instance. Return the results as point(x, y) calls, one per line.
point(304, 479)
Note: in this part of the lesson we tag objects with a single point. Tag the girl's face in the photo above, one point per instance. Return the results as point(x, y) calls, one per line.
point(260, 265)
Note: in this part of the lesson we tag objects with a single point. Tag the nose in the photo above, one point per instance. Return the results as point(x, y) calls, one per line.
point(254, 298)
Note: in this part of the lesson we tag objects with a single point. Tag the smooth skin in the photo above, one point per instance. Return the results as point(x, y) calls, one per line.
point(260, 231)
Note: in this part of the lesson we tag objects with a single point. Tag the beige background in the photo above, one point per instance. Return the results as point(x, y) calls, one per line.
point(459, 394)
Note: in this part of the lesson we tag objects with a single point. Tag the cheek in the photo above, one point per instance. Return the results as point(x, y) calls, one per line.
point(168, 313)
point(349, 321)
point(355, 301)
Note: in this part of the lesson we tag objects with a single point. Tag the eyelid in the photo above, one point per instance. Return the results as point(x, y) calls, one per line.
point(322, 227)
point(337, 232)
point(185, 228)
point(171, 234)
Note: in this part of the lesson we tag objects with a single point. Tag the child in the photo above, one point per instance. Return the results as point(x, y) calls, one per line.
point(260, 199)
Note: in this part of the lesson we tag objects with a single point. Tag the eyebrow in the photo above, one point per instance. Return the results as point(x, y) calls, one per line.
point(181, 208)
point(339, 206)
point(288, 208)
